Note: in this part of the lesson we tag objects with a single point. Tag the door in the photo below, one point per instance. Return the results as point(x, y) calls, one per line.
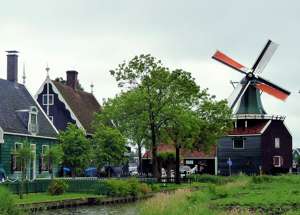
point(32, 169)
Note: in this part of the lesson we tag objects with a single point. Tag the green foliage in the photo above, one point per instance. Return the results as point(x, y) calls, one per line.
point(211, 179)
point(121, 188)
point(57, 187)
point(261, 179)
point(108, 146)
point(166, 155)
point(54, 156)
point(76, 148)
point(7, 203)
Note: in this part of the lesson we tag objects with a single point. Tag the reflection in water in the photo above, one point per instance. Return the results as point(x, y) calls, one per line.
point(124, 209)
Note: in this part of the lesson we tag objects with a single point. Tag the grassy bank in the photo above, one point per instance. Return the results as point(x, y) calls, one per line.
point(235, 195)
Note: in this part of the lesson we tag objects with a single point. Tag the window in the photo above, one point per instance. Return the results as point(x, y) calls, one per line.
point(238, 143)
point(277, 161)
point(45, 148)
point(16, 161)
point(277, 142)
point(51, 99)
point(1, 135)
point(33, 122)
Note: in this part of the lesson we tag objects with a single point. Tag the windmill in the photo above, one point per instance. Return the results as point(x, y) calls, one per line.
point(247, 92)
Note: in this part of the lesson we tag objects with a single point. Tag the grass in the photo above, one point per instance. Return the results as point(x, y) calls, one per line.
point(45, 197)
point(234, 195)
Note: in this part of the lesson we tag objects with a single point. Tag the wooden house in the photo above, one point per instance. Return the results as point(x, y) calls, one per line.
point(22, 120)
point(66, 102)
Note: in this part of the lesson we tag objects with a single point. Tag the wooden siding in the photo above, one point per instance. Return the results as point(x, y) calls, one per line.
point(58, 110)
point(276, 129)
point(245, 160)
point(8, 146)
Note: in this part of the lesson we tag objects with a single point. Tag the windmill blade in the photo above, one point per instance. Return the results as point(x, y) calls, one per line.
point(237, 94)
point(221, 57)
point(272, 89)
point(264, 57)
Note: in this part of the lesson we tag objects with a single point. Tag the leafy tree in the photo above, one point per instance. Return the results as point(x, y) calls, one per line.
point(108, 146)
point(115, 112)
point(54, 156)
point(25, 155)
point(152, 81)
point(76, 148)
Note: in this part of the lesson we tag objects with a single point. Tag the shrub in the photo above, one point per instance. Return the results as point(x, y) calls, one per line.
point(57, 187)
point(121, 188)
point(7, 203)
point(261, 179)
point(155, 187)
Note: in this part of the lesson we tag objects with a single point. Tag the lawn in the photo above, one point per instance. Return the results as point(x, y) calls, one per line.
point(45, 197)
point(234, 195)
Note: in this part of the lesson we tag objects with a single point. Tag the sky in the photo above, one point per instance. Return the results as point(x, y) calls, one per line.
point(94, 36)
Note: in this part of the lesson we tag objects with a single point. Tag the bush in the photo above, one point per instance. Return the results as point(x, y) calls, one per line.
point(7, 203)
point(57, 187)
point(261, 179)
point(121, 188)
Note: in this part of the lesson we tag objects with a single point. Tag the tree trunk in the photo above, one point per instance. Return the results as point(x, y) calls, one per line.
point(177, 161)
point(140, 169)
point(155, 172)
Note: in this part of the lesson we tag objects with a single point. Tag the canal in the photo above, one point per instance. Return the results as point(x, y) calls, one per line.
point(122, 209)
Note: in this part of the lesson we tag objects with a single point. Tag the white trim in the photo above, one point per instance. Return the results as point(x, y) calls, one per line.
point(243, 135)
point(1, 136)
point(60, 97)
point(216, 165)
point(266, 126)
point(29, 135)
point(42, 110)
point(44, 97)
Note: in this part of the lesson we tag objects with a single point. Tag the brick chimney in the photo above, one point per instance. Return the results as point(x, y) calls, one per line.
point(72, 79)
point(12, 66)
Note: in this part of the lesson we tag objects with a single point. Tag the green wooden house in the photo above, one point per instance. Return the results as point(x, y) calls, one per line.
point(22, 120)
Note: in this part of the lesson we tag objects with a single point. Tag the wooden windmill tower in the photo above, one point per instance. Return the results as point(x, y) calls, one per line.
point(258, 141)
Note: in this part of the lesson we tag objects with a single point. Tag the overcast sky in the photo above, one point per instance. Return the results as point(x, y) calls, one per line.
point(94, 36)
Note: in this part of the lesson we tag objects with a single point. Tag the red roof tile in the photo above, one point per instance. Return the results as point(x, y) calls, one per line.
point(84, 105)
point(253, 129)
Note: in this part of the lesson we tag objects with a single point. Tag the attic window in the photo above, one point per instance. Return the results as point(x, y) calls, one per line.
point(33, 122)
point(47, 101)
point(277, 142)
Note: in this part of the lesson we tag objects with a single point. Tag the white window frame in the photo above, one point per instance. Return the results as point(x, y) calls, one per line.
point(15, 148)
point(33, 112)
point(280, 161)
point(238, 148)
point(277, 143)
point(44, 98)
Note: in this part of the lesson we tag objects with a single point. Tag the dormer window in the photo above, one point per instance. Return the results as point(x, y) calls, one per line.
point(33, 122)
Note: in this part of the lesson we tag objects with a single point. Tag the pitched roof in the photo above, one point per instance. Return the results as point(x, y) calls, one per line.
point(84, 105)
point(184, 153)
point(15, 97)
point(254, 129)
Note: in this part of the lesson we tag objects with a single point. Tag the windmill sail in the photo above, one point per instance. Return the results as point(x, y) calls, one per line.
point(264, 57)
point(237, 94)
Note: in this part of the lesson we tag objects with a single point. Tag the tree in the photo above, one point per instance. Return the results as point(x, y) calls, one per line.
point(54, 156)
point(157, 89)
point(25, 154)
point(76, 148)
point(124, 112)
point(108, 146)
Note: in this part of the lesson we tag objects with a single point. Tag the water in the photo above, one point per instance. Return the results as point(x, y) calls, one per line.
point(123, 209)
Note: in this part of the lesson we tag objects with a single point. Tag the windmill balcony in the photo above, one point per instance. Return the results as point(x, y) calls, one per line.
point(258, 116)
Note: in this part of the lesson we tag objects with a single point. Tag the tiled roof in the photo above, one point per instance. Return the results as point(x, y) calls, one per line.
point(251, 129)
point(15, 97)
point(184, 153)
point(84, 105)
